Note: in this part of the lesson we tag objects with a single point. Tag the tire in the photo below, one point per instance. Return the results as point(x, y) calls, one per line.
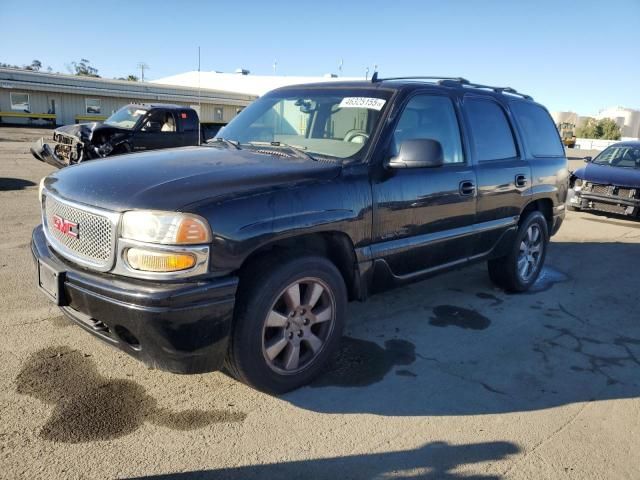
point(505, 271)
point(265, 317)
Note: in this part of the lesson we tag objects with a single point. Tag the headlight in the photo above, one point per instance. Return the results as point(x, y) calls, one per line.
point(167, 228)
point(40, 189)
point(154, 261)
point(577, 184)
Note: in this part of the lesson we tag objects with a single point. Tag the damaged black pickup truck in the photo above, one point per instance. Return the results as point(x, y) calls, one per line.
point(244, 252)
point(134, 127)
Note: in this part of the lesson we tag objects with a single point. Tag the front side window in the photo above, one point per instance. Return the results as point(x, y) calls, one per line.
point(93, 106)
point(20, 102)
point(538, 129)
point(490, 130)
point(619, 156)
point(330, 122)
point(430, 117)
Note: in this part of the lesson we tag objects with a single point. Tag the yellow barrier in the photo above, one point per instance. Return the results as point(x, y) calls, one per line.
point(44, 116)
point(90, 118)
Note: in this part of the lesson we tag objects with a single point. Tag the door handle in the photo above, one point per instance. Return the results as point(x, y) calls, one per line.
point(521, 180)
point(467, 187)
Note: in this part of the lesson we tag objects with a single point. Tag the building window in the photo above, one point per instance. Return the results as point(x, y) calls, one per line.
point(93, 106)
point(20, 102)
point(218, 114)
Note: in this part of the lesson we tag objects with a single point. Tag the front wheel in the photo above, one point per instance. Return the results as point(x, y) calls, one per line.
point(519, 270)
point(288, 322)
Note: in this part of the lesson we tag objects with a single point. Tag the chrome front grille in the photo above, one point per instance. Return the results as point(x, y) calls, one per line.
point(92, 241)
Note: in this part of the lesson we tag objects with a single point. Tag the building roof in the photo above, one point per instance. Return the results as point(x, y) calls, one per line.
point(243, 84)
point(18, 79)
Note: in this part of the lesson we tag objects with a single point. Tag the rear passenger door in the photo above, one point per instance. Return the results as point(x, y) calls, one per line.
point(503, 174)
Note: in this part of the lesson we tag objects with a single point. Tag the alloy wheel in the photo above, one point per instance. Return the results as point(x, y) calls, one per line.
point(531, 248)
point(298, 325)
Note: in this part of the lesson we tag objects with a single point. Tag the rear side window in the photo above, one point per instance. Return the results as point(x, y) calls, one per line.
point(538, 129)
point(189, 121)
point(490, 130)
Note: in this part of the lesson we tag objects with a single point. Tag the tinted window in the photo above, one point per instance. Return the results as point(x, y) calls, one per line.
point(492, 137)
point(433, 117)
point(539, 131)
point(189, 121)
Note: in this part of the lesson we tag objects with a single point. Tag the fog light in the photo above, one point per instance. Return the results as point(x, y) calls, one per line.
point(154, 261)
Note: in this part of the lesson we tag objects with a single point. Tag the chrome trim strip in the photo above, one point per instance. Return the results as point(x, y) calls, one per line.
point(400, 245)
point(113, 217)
point(201, 252)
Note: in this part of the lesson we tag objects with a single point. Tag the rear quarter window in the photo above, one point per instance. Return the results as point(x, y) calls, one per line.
point(539, 131)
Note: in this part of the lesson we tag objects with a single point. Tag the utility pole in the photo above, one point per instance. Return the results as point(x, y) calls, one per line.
point(340, 64)
point(142, 66)
point(275, 66)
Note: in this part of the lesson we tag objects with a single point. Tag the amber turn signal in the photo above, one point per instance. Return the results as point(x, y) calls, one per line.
point(155, 261)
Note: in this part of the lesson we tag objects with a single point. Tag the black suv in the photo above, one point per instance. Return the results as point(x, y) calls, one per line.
point(244, 252)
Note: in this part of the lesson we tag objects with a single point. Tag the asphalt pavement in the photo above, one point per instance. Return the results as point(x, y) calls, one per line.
point(449, 378)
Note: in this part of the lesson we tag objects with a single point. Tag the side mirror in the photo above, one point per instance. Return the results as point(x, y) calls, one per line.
point(587, 159)
point(152, 126)
point(418, 153)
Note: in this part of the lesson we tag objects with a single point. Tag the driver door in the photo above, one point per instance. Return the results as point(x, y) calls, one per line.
point(158, 130)
point(424, 216)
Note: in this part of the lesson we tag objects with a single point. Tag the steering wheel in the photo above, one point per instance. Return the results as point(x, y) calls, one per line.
point(354, 134)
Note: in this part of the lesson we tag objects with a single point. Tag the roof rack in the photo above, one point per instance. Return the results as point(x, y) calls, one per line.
point(375, 78)
point(458, 82)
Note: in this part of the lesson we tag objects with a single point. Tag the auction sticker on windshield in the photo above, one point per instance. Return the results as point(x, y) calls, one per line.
point(362, 102)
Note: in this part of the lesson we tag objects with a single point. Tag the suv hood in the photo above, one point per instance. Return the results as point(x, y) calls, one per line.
point(172, 179)
point(621, 177)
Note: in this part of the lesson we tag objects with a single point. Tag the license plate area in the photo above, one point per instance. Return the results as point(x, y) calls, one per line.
point(51, 282)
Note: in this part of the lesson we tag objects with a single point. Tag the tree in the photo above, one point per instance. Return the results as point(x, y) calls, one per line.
point(610, 129)
point(83, 68)
point(130, 78)
point(605, 128)
point(35, 65)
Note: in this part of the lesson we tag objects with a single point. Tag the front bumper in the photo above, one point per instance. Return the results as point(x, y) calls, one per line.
point(585, 200)
point(178, 327)
point(43, 152)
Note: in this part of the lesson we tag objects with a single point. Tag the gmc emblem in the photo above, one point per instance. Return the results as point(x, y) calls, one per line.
point(65, 226)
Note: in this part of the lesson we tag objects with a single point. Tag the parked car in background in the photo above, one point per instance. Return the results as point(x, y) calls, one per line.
point(610, 182)
point(244, 252)
point(134, 127)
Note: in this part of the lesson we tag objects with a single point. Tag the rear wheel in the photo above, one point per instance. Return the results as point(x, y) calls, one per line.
point(519, 270)
point(288, 322)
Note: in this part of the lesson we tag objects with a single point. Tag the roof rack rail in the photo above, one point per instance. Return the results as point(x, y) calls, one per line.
point(375, 78)
point(456, 81)
point(509, 90)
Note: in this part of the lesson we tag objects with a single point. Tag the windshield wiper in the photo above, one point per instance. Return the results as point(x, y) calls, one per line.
point(229, 143)
point(299, 150)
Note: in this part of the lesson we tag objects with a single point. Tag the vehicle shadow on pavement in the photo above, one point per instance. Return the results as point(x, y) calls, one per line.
point(458, 346)
point(435, 460)
point(8, 184)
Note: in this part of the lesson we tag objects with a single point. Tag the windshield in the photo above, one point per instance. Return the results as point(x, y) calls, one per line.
point(619, 156)
point(126, 117)
point(330, 122)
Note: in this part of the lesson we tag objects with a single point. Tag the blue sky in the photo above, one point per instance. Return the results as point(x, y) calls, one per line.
point(570, 55)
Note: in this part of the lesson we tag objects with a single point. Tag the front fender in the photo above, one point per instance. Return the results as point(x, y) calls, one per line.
point(244, 225)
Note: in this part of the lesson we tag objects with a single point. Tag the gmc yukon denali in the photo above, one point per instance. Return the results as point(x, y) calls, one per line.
point(242, 253)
